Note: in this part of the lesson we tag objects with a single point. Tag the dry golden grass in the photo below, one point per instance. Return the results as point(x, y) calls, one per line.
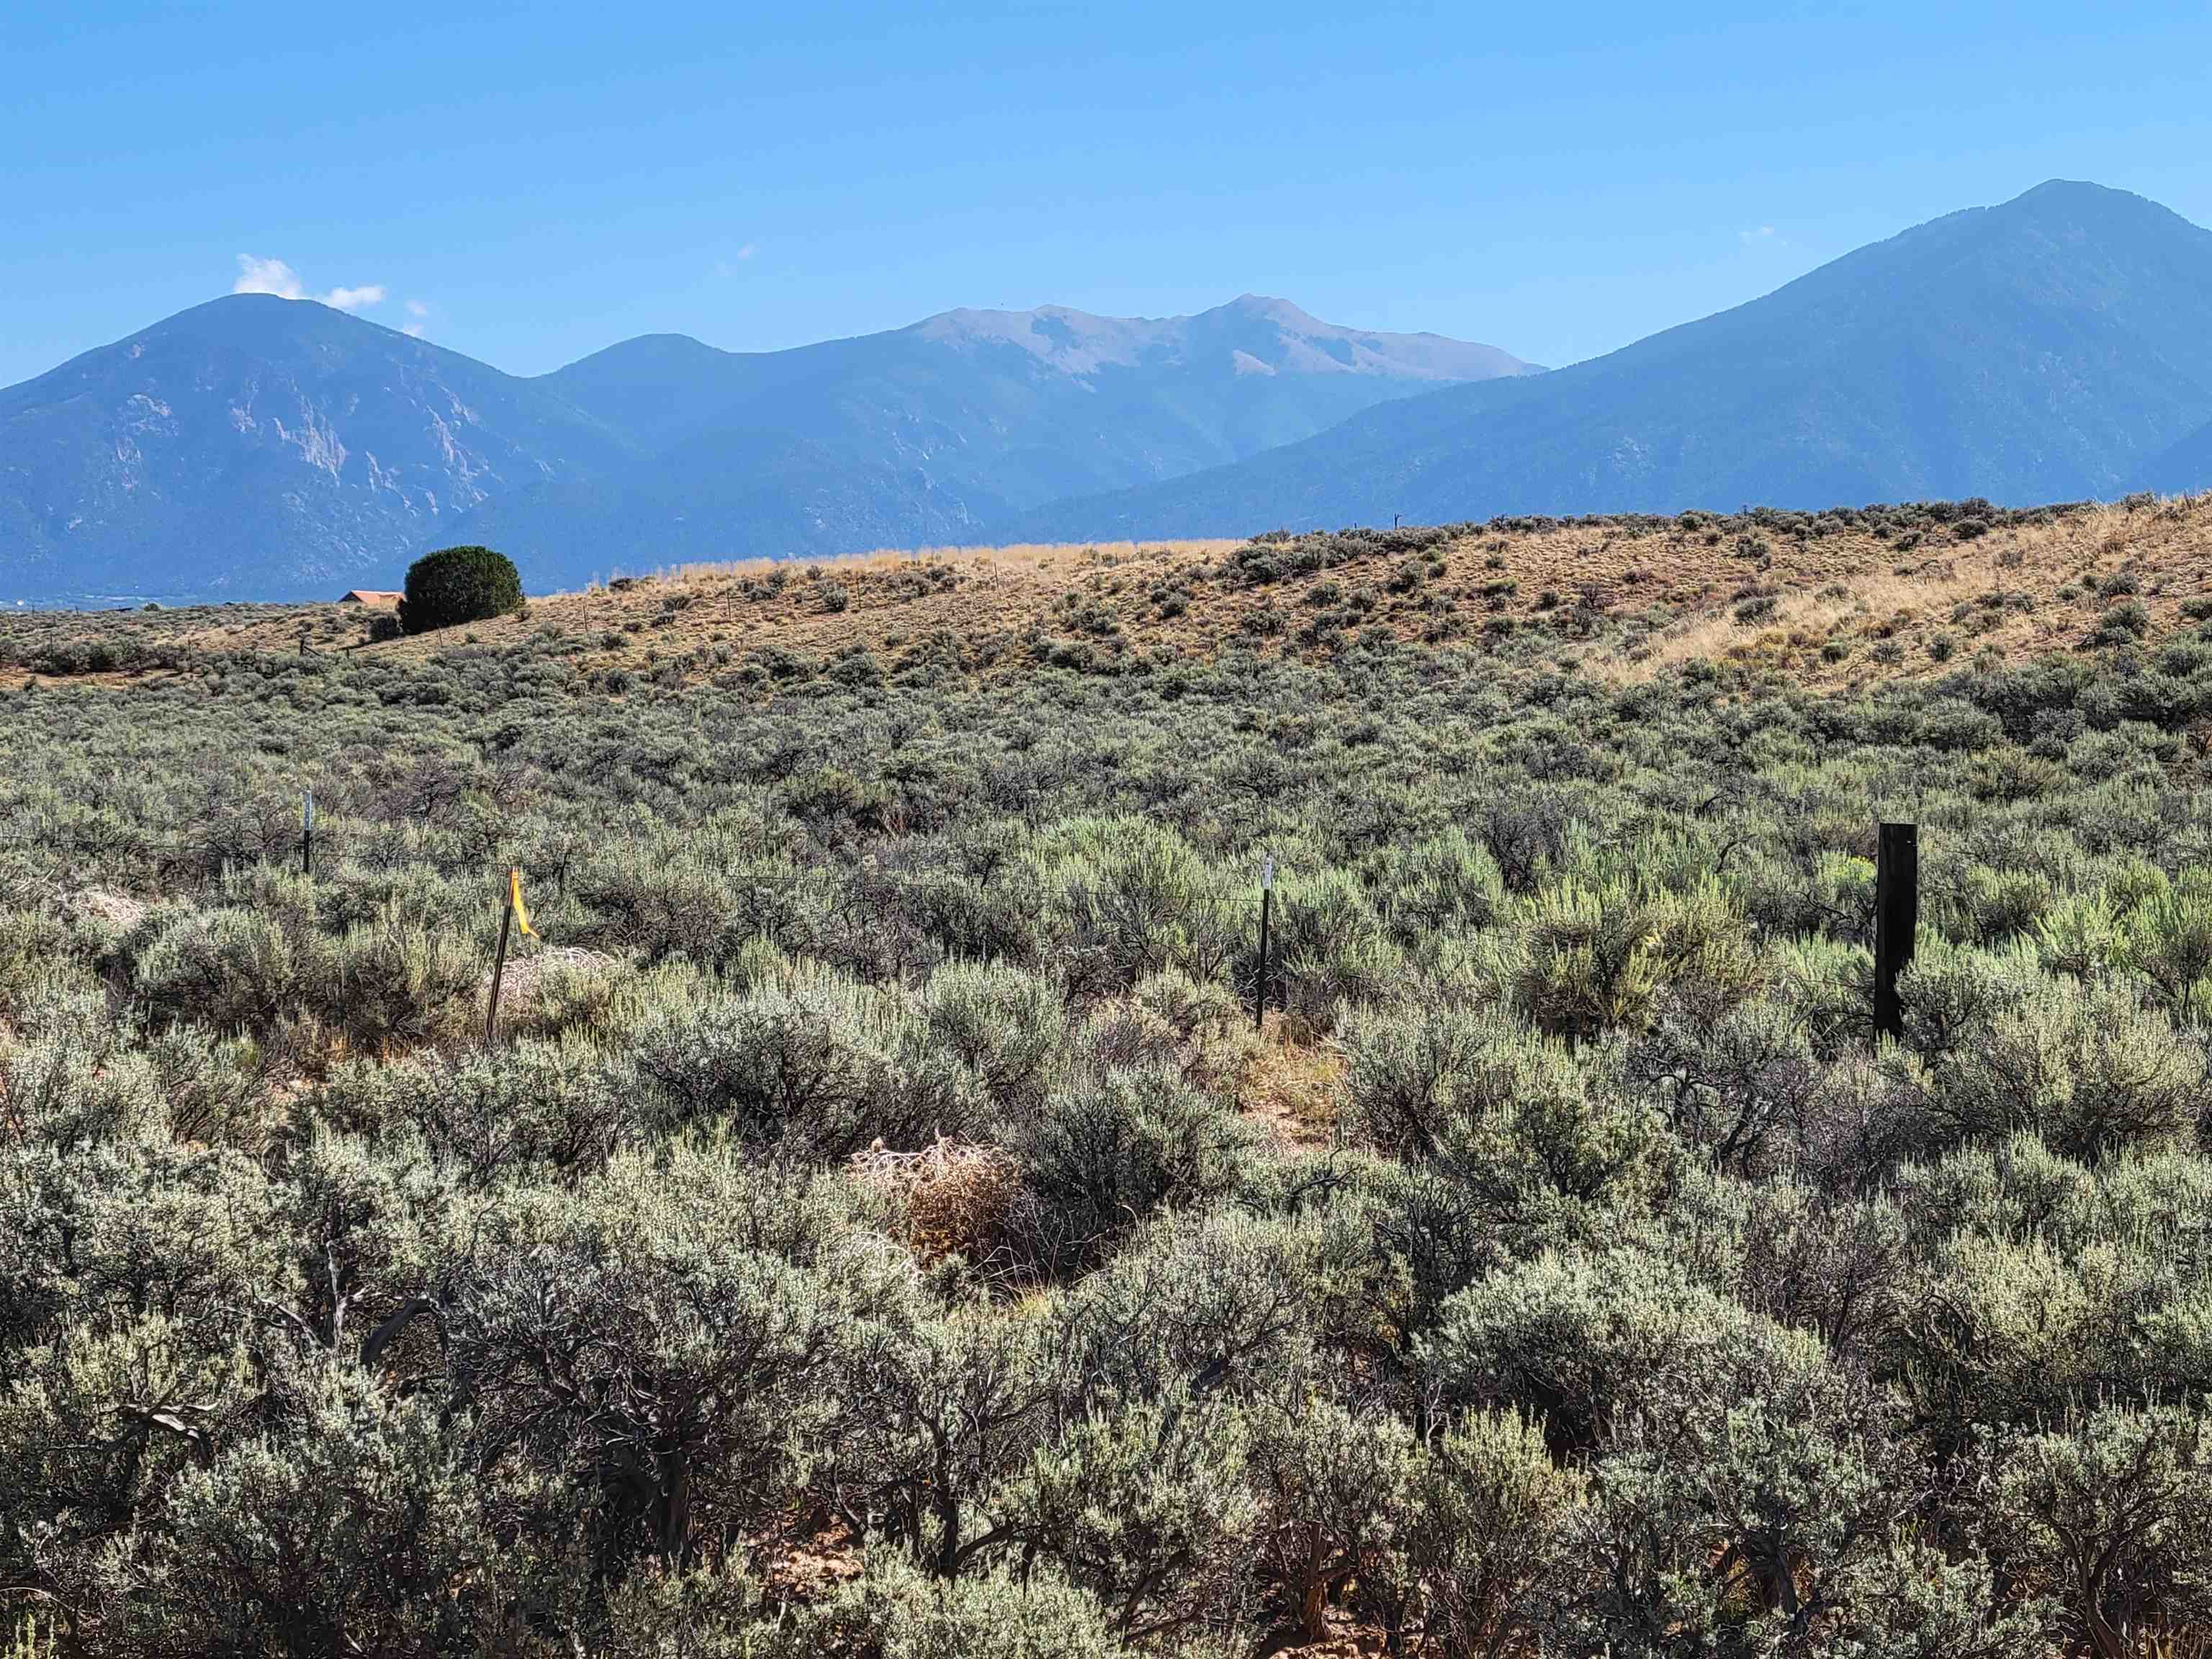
point(1289, 1086)
point(1624, 599)
point(2022, 591)
point(882, 558)
point(957, 1196)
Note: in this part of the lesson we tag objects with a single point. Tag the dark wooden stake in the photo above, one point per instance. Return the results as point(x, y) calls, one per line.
point(1267, 904)
point(308, 834)
point(1896, 920)
point(498, 969)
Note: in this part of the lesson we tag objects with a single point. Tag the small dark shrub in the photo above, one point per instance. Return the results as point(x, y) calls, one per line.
point(2122, 623)
point(458, 585)
point(1755, 610)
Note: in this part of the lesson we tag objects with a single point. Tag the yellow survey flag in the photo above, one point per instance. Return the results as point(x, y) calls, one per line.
point(515, 900)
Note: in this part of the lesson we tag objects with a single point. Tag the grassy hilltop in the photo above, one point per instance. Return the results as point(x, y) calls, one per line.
point(878, 1228)
point(1839, 600)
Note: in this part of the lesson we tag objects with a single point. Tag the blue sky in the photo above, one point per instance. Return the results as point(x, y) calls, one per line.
point(527, 184)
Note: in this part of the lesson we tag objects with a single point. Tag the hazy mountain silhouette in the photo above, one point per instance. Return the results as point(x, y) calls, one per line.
point(2052, 347)
point(2185, 469)
point(257, 447)
point(2044, 350)
point(937, 432)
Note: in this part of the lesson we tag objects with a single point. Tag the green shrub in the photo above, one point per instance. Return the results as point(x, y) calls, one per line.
point(1584, 1341)
point(1145, 1506)
point(1568, 1269)
point(2110, 1519)
point(1106, 1151)
point(1487, 1538)
point(1005, 1025)
point(458, 585)
point(359, 1526)
point(229, 968)
point(816, 1068)
point(739, 1282)
point(1334, 1486)
point(1003, 1613)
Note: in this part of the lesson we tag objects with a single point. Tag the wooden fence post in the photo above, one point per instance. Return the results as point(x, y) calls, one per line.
point(1896, 920)
point(308, 834)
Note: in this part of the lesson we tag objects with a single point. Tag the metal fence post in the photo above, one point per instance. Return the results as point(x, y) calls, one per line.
point(1896, 920)
point(1267, 905)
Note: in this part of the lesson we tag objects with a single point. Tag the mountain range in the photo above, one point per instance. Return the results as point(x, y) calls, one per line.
point(261, 447)
point(2056, 347)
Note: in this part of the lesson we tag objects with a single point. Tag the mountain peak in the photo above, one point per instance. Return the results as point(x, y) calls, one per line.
point(2082, 190)
point(2079, 201)
point(2042, 350)
point(259, 445)
point(1254, 333)
point(1277, 311)
point(259, 313)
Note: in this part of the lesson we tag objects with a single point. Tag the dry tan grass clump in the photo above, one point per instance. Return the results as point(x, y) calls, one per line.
point(118, 913)
point(552, 986)
point(957, 1198)
point(1290, 1087)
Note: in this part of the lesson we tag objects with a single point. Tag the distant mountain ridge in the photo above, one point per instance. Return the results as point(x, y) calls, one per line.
point(2045, 350)
point(259, 447)
point(255, 447)
point(1260, 335)
point(2184, 469)
point(2058, 346)
point(939, 432)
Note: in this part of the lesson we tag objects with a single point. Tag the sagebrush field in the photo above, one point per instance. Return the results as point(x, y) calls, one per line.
point(876, 1227)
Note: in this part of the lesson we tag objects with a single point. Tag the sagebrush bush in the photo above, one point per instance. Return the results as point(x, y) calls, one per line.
point(875, 1226)
point(1105, 1151)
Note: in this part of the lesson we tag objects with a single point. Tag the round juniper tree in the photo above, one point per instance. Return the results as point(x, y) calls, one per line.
point(458, 585)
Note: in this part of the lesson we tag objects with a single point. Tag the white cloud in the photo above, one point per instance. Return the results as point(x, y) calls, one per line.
point(416, 309)
point(1752, 238)
point(267, 277)
point(729, 267)
point(274, 276)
